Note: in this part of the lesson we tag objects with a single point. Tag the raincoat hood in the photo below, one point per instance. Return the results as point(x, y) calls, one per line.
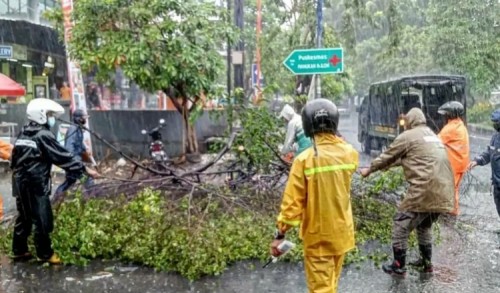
point(415, 117)
point(287, 113)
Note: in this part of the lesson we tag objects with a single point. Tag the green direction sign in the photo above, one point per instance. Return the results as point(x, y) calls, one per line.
point(315, 61)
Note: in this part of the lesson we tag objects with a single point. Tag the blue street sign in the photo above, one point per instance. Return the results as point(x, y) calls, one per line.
point(254, 76)
point(5, 52)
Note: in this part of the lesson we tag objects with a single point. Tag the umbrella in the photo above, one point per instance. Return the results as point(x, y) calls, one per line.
point(8, 87)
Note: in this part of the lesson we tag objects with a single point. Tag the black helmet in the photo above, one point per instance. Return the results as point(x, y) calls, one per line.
point(495, 118)
point(79, 116)
point(452, 109)
point(320, 115)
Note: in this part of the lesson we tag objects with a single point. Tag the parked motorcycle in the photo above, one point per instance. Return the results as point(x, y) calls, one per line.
point(156, 147)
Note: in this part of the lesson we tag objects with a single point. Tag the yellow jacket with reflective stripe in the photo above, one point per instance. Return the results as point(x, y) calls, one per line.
point(317, 196)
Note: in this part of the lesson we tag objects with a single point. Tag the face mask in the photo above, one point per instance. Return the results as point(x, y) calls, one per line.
point(51, 121)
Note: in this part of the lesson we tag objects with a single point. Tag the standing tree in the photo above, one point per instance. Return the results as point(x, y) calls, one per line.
point(466, 39)
point(159, 44)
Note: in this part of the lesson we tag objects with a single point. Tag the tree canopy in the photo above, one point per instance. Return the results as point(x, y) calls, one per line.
point(389, 38)
point(158, 43)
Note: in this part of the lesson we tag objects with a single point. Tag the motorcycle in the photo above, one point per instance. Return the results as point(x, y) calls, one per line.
point(156, 147)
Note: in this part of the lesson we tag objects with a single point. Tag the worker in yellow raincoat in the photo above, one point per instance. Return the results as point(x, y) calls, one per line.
point(5, 152)
point(455, 138)
point(317, 197)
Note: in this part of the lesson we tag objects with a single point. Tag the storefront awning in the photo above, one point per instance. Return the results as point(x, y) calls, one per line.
point(10, 88)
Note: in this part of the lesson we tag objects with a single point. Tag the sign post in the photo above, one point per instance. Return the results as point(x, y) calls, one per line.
point(315, 61)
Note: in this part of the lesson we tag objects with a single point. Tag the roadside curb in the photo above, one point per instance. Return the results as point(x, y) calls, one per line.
point(480, 129)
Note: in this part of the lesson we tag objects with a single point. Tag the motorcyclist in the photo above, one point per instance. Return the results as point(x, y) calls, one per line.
point(317, 197)
point(73, 141)
point(35, 151)
point(492, 155)
point(295, 132)
point(455, 137)
point(427, 169)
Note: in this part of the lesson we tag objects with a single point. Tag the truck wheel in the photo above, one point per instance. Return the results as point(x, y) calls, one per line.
point(366, 145)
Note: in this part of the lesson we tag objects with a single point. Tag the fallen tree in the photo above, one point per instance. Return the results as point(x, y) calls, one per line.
point(197, 221)
point(200, 231)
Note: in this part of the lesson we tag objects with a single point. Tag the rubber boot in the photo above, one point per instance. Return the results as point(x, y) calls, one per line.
point(53, 260)
point(425, 262)
point(397, 267)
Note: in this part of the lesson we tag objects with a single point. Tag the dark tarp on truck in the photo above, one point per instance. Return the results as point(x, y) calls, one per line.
point(380, 112)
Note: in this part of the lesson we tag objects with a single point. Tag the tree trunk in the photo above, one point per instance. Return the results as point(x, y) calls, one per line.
point(191, 145)
point(189, 141)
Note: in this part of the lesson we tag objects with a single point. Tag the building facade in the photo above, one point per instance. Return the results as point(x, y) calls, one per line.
point(29, 10)
point(30, 51)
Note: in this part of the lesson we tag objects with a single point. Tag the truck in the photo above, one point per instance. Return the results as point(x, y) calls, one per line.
point(381, 113)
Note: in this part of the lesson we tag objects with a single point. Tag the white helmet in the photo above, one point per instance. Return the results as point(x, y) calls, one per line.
point(38, 108)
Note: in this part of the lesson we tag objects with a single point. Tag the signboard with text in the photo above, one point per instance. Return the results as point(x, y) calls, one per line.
point(254, 76)
point(315, 61)
point(5, 52)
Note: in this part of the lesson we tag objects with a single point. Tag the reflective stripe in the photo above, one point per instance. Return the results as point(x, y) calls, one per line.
point(291, 223)
point(26, 143)
point(330, 168)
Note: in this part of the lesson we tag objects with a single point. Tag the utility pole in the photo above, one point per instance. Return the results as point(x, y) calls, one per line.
point(319, 36)
point(239, 67)
point(228, 57)
point(257, 53)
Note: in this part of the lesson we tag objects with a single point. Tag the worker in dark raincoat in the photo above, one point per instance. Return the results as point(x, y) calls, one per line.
point(492, 155)
point(427, 169)
point(74, 143)
point(317, 197)
point(35, 151)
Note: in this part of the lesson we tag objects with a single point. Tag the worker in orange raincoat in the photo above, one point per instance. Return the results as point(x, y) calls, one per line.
point(455, 137)
point(5, 152)
point(317, 197)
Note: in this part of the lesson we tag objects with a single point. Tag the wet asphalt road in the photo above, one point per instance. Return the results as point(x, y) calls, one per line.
point(467, 260)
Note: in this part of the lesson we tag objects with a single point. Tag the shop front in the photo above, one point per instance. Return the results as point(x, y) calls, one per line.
point(31, 69)
point(36, 61)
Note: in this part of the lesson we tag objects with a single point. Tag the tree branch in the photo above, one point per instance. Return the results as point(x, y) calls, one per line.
point(173, 99)
point(193, 106)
